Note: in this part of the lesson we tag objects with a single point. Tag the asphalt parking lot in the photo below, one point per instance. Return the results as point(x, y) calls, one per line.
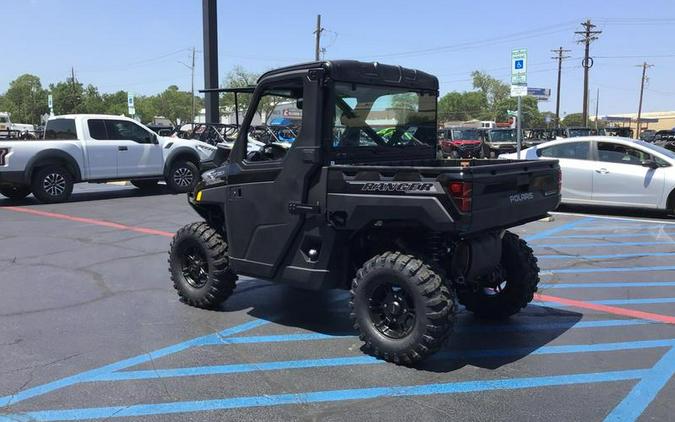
point(91, 329)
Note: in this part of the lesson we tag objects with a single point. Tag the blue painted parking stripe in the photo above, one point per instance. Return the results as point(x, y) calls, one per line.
point(369, 360)
point(275, 338)
point(334, 396)
point(607, 256)
point(644, 392)
point(606, 270)
point(516, 326)
point(607, 285)
point(555, 230)
point(602, 245)
point(127, 363)
point(620, 227)
point(614, 235)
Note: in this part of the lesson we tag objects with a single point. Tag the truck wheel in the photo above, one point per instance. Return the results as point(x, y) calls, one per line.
point(52, 184)
point(513, 290)
point(15, 193)
point(401, 308)
point(145, 184)
point(183, 176)
point(199, 266)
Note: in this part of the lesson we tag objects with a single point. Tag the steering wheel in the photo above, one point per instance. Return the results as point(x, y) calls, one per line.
point(267, 152)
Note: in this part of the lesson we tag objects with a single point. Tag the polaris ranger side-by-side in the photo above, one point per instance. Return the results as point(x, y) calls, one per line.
point(348, 208)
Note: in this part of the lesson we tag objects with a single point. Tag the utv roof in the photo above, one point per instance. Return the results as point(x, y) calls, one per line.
point(354, 71)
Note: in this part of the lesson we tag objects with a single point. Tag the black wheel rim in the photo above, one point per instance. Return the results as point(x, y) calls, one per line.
point(498, 283)
point(195, 267)
point(54, 184)
point(391, 309)
point(183, 177)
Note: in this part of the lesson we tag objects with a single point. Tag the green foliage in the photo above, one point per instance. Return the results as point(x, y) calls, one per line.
point(530, 111)
point(25, 99)
point(462, 106)
point(494, 90)
point(238, 78)
point(68, 96)
point(574, 119)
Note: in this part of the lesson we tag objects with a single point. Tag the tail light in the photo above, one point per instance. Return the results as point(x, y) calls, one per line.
point(3, 154)
point(461, 194)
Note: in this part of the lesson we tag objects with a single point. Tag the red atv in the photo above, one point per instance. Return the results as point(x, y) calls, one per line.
point(461, 143)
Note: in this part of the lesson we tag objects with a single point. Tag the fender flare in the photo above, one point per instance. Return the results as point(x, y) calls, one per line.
point(53, 156)
point(184, 153)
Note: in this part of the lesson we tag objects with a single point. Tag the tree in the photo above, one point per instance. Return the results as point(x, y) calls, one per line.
point(25, 99)
point(68, 96)
point(116, 103)
point(530, 111)
point(238, 78)
point(574, 119)
point(461, 106)
point(174, 104)
point(92, 101)
point(494, 90)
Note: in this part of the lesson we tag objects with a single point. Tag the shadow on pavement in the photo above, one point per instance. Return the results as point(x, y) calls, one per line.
point(474, 342)
point(616, 211)
point(99, 194)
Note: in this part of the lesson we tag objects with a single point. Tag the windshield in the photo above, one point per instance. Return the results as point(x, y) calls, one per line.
point(503, 135)
point(668, 153)
point(3, 119)
point(383, 117)
point(465, 135)
point(579, 132)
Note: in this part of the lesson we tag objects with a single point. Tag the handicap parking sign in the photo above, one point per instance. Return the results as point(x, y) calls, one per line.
point(519, 64)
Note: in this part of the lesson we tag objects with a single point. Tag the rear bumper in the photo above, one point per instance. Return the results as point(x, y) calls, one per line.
point(12, 178)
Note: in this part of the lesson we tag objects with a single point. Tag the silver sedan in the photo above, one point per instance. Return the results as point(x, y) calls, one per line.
point(613, 171)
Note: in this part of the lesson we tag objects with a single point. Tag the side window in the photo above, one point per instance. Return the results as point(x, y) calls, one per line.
point(60, 129)
point(277, 122)
point(621, 154)
point(125, 130)
point(97, 129)
point(569, 150)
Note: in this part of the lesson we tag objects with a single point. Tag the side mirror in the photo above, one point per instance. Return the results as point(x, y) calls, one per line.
point(651, 164)
point(153, 139)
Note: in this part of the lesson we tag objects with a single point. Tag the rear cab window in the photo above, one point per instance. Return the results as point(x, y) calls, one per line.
point(60, 129)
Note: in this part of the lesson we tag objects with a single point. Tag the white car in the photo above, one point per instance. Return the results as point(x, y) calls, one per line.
point(98, 148)
point(613, 171)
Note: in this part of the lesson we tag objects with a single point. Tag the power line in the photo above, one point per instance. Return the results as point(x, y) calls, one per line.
point(588, 35)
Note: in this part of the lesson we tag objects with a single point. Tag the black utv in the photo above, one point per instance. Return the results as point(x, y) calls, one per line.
point(350, 205)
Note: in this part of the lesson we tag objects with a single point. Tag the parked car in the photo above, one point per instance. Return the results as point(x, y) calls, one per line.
point(623, 132)
point(500, 141)
point(573, 132)
point(98, 148)
point(371, 213)
point(9, 130)
point(665, 139)
point(609, 170)
point(536, 136)
point(461, 143)
point(648, 135)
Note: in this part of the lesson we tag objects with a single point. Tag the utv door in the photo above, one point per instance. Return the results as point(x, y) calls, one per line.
point(265, 179)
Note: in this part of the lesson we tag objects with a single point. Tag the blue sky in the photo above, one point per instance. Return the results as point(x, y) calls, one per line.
point(136, 45)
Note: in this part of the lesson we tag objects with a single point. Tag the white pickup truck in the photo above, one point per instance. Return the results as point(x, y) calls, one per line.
point(98, 148)
point(10, 130)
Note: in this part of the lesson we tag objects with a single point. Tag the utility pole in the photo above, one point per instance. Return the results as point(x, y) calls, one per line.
point(587, 36)
point(319, 30)
point(192, 69)
point(193, 86)
point(642, 89)
point(560, 57)
point(597, 105)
